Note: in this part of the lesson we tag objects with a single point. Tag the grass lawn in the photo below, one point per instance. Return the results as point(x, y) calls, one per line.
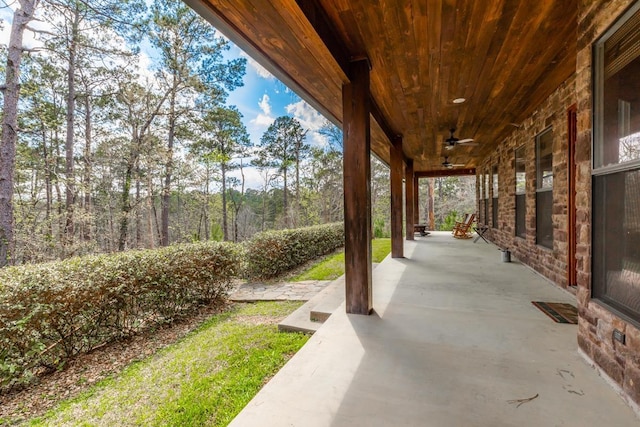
point(332, 267)
point(203, 380)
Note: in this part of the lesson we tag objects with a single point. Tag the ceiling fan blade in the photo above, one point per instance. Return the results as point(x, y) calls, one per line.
point(469, 144)
point(448, 147)
point(464, 141)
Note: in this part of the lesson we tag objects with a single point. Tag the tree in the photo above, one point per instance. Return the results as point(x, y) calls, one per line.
point(81, 34)
point(21, 19)
point(140, 107)
point(282, 145)
point(224, 137)
point(191, 56)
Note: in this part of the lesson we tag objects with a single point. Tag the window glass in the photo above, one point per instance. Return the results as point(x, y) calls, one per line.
point(521, 177)
point(486, 185)
point(617, 124)
point(544, 160)
point(616, 161)
point(544, 193)
point(494, 172)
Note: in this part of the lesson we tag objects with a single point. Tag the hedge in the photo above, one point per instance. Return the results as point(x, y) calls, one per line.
point(50, 312)
point(271, 253)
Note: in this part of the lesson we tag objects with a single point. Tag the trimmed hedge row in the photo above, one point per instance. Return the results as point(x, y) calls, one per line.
point(53, 311)
point(271, 253)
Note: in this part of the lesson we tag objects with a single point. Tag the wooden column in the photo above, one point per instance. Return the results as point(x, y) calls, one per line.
point(397, 173)
point(416, 198)
point(357, 189)
point(409, 194)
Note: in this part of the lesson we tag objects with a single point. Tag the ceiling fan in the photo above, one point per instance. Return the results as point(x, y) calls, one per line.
point(449, 165)
point(452, 141)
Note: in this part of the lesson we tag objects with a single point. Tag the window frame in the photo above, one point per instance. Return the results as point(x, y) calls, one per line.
point(520, 153)
point(495, 190)
point(598, 79)
point(542, 190)
point(606, 253)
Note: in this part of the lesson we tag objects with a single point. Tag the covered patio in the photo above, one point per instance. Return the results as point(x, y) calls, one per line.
point(453, 338)
point(539, 92)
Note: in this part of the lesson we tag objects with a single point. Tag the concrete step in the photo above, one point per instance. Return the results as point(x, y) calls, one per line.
point(333, 297)
point(320, 306)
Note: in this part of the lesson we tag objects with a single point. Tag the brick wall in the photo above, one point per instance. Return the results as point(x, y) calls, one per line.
point(551, 263)
point(620, 362)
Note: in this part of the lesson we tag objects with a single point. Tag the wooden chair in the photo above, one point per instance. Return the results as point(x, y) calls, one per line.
point(462, 230)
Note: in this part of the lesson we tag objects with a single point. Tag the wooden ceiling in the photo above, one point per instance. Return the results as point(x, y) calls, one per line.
point(503, 56)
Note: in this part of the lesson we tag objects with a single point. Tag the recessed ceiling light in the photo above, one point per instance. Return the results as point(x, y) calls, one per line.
point(459, 100)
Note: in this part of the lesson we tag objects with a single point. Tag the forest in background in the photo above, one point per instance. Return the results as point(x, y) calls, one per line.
point(110, 156)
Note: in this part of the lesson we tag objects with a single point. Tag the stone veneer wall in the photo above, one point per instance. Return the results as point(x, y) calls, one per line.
point(595, 329)
point(552, 263)
point(620, 362)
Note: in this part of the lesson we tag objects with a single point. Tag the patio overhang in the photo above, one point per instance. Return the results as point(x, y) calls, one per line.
point(504, 57)
point(399, 78)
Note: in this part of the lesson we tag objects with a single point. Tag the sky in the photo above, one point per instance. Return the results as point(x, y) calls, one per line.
point(261, 99)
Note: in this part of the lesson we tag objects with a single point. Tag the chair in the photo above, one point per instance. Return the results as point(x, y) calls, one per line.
point(462, 229)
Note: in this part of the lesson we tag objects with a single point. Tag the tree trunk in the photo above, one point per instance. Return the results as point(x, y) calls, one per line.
point(69, 141)
point(284, 208)
point(205, 208)
point(238, 207)
point(21, 18)
point(431, 211)
point(86, 228)
point(138, 198)
point(297, 212)
point(126, 207)
point(225, 232)
point(166, 191)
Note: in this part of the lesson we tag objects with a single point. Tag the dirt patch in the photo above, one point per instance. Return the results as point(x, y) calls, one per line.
point(87, 369)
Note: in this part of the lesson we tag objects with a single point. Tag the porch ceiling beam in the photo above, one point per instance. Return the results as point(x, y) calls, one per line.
point(217, 18)
point(446, 172)
point(320, 21)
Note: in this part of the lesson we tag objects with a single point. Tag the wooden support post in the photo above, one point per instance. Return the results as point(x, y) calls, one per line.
point(357, 189)
point(397, 173)
point(408, 197)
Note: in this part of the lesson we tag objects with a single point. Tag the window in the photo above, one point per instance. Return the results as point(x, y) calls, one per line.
point(486, 197)
point(616, 167)
point(617, 107)
point(494, 207)
point(544, 189)
point(521, 191)
point(480, 199)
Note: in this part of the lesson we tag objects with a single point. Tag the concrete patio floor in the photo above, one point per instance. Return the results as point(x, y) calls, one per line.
point(453, 339)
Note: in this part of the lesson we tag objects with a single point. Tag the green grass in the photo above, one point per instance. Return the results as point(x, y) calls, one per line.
point(332, 267)
point(204, 379)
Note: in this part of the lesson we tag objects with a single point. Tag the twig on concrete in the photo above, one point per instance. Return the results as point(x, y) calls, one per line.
point(521, 401)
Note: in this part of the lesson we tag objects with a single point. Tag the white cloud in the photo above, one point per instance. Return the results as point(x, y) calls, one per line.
point(310, 119)
point(264, 104)
point(306, 115)
point(259, 69)
point(29, 37)
point(252, 177)
point(264, 117)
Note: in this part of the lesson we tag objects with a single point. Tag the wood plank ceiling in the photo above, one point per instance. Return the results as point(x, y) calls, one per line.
point(503, 56)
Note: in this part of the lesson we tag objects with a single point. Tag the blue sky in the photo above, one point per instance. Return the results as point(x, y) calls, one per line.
point(261, 99)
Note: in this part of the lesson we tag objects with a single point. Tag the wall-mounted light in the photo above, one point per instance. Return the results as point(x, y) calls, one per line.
point(459, 100)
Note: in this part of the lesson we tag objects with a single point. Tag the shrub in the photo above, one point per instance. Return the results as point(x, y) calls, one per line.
point(53, 311)
point(271, 253)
